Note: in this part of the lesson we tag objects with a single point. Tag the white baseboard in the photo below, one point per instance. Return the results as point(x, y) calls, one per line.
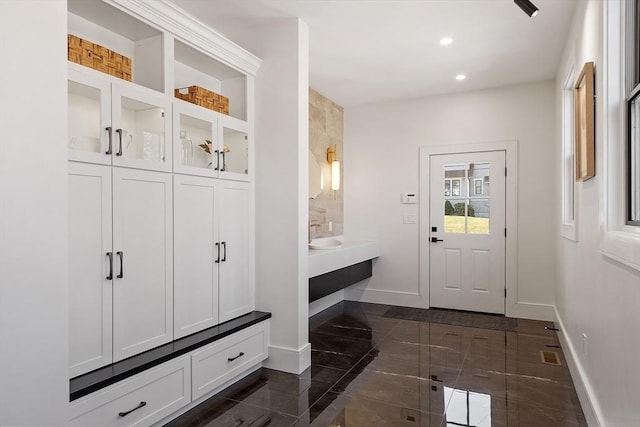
point(525, 310)
point(293, 361)
point(325, 302)
point(378, 296)
point(587, 397)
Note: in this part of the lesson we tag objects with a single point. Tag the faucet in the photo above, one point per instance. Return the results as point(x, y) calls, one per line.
point(311, 225)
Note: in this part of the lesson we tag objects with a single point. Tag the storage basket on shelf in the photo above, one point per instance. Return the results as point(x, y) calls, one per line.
point(204, 98)
point(99, 58)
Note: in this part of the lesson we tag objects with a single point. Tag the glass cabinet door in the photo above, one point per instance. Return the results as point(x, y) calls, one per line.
point(235, 149)
point(195, 142)
point(141, 135)
point(88, 118)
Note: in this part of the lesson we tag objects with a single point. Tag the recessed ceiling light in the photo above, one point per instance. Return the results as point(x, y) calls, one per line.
point(460, 77)
point(446, 41)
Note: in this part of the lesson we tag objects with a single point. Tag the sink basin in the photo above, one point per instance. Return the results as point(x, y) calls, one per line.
point(325, 244)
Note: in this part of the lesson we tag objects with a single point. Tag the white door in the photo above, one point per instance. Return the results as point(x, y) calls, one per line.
point(143, 268)
point(196, 255)
point(89, 267)
point(235, 285)
point(467, 224)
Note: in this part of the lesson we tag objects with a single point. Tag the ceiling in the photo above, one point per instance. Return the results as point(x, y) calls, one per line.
point(380, 50)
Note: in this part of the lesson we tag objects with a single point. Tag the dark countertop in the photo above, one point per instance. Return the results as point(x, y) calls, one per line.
point(95, 380)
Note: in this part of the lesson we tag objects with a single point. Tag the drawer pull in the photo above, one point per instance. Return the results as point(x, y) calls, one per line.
point(124, 414)
point(231, 359)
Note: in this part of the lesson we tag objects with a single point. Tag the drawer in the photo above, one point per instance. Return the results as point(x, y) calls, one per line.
point(163, 390)
point(221, 361)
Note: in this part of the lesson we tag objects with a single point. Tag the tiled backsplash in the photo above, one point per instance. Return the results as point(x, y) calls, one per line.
point(326, 129)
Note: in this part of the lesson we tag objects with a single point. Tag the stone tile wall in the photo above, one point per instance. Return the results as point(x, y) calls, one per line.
point(326, 129)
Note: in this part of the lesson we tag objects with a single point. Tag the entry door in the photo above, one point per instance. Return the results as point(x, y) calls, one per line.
point(467, 231)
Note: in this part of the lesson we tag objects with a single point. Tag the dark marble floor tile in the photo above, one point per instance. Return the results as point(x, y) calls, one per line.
point(326, 374)
point(367, 327)
point(220, 412)
point(368, 308)
point(340, 344)
point(334, 359)
point(454, 317)
point(344, 410)
point(535, 327)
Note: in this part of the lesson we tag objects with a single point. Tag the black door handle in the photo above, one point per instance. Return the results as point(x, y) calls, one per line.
point(435, 240)
point(119, 132)
point(124, 414)
point(218, 248)
point(224, 161)
point(110, 130)
point(121, 255)
point(110, 276)
point(224, 254)
point(217, 153)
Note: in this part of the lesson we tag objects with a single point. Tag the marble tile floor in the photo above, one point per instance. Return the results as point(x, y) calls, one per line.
point(368, 369)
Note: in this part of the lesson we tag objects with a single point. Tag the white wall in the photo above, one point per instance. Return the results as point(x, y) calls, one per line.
point(595, 295)
point(282, 141)
point(381, 161)
point(34, 386)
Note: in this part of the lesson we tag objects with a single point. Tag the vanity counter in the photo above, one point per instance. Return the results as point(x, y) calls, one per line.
point(351, 252)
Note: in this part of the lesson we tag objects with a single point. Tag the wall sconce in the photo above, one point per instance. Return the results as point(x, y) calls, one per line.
point(335, 169)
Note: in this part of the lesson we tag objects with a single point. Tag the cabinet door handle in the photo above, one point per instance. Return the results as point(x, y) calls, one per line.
point(121, 255)
point(224, 254)
point(119, 132)
point(109, 130)
point(217, 153)
point(110, 276)
point(231, 359)
point(124, 414)
point(224, 161)
point(218, 249)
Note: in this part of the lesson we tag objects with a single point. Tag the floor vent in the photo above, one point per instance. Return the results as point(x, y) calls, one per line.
point(550, 357)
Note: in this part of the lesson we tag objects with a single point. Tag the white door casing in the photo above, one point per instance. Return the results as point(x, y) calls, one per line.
point(143, 265)
point(467, 258)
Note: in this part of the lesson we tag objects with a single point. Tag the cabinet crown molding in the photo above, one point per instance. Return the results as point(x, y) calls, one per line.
point(169, 17)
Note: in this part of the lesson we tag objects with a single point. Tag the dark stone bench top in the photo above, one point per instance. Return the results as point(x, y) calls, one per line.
point(95, 380)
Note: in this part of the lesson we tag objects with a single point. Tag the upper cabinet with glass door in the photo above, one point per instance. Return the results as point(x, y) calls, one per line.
point(209, 142)
point(112, 120)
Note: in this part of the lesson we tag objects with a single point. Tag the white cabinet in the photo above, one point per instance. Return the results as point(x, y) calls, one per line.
point(210, 144)
point(138, 401)
point(114, 122)
point(121, 270)
point(143, 267)
point(236, 247)
point(212, 248)
point(90, 278)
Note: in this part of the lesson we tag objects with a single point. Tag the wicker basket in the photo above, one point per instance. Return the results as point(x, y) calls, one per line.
point(97, 57)
point(204, 98)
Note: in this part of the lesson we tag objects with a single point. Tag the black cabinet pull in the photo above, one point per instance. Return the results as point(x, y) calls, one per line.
point(224, 161)
point(110, 255)
point(121, 255)
point(124, 414)
point(224, 253)
point(217, 153)
point(218, 249)
point(435, 240)
point(231, 359)
point(119, 132)
point(110, 133)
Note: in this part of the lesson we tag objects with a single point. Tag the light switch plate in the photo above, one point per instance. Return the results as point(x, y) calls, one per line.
point(408, 198)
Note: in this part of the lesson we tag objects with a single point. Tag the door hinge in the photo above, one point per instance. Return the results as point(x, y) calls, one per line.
point(505, 232)
point(505, 292)
point(505, 171)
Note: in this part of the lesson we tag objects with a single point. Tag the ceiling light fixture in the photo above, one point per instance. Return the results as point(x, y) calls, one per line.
point(527, 7)
point(460, 77)
point(446, 41)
